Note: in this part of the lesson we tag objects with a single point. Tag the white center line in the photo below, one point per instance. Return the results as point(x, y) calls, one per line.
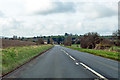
point(77, 63)
point(67, 53)
point(96, 73)
point(72, 58)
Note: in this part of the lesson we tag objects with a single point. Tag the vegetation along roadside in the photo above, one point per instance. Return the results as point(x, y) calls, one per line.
point(103, 53)
point(13, 57)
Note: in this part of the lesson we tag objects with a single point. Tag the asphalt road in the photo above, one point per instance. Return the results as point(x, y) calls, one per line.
point(61, 62)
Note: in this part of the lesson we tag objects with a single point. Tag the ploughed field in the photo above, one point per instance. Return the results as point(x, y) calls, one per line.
point(14, 43)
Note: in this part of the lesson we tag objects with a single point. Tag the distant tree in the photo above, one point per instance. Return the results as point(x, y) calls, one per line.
point(14, 37)
point(55, 39)
point(48, 41)
point(19, 38)
point(44, 36)
point(34, 37)
point(48, 36)
point(70, 34)
point(76, 35)
point(66, 34)
point(80, 35)
point(89, 40)
point(6, 38)
point(119, 34)
point(116, 34)
point(51, 41)
point(40, 41)
point(77, 41)
point(38, 37)
point(59, 39)
point(22, 38)
point(68, 41)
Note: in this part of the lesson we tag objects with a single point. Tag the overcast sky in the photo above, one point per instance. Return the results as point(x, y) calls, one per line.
point(48, 17)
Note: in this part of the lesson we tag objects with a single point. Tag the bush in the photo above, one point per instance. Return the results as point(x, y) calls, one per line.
point(104, 44)
point(40, 41)
point(51, 41)
point(89, 40)
point(117, 43)
point(68, 41)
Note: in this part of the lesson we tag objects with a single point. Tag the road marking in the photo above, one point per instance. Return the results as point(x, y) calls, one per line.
point(68, 54)
point(64, 51)
point(77, 63)
point(72, 58)
point(96, 73)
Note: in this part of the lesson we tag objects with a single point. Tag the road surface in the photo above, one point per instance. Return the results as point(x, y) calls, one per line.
point(61, 62)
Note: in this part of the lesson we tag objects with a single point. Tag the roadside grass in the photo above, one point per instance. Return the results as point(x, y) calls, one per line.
point(74, 45)
point(107, 54)
point(15, 56)
point(115, 48)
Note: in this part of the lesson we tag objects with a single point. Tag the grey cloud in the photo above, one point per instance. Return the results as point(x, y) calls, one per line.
point(102, 26)
point(90, 9)
point(1, 14)
point(104, 11)
point(59, 8)
point(11, 24)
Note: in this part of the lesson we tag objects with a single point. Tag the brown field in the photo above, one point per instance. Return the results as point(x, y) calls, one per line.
point(5, 43)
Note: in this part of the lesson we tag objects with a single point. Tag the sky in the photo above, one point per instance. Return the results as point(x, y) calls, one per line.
point(56, 17)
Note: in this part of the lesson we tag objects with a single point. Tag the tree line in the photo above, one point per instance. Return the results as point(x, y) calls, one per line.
point(93, 40)
point(89, 40)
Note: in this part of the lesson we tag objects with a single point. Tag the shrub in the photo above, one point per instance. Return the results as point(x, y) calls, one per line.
point(89, 40)
point(40, 41)
point(51, 41)
point(68, 41)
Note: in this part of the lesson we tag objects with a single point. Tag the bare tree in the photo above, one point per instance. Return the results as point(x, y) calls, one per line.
point(104, 43)
point(116, 36)
point(68, 41)
point(51, 41)
point(89, 40)
point(40, 41)
point(77, 41)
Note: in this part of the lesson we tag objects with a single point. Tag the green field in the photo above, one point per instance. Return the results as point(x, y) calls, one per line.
point(103, 53)
point(16, 56)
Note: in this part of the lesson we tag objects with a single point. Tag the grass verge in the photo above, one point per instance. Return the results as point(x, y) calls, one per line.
point(107, 54)
point(15, 56)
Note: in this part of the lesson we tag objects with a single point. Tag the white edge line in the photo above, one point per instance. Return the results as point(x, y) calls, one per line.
point(93, 71)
